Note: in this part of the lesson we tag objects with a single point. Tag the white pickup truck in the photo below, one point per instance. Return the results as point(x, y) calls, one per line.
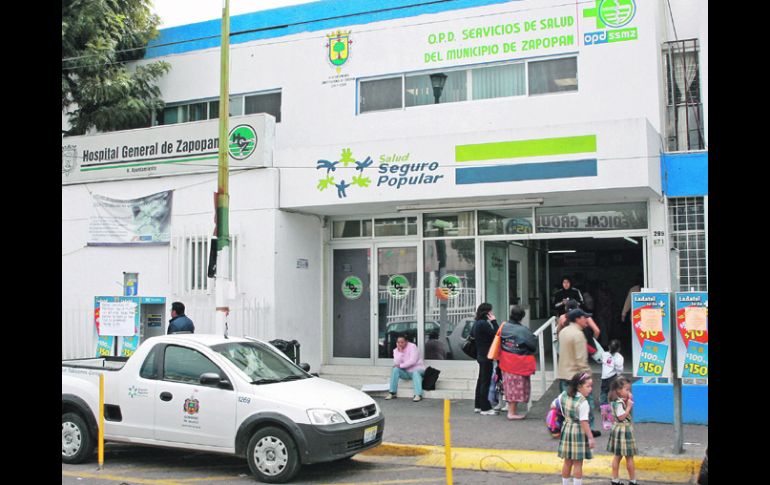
point(225, 395)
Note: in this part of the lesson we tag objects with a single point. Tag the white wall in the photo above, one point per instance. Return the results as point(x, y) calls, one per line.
point(616, 81)
point(298, 290)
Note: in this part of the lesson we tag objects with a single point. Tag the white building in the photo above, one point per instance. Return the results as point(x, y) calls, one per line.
point(375, 204)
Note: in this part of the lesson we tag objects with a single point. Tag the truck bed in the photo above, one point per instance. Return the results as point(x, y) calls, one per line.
point(103, 363)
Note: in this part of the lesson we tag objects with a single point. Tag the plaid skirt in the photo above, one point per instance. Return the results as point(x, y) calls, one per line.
point(517, 388)
point(622, 441)
point(573, 444)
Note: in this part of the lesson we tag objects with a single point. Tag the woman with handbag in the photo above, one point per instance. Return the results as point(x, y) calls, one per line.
point(517, 360)
point(483, 331)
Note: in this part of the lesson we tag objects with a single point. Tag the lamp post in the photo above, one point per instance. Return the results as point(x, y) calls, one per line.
point(437, 80)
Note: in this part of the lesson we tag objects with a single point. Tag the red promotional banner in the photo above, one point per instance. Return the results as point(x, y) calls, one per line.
point(642, 335)
point(700, 336)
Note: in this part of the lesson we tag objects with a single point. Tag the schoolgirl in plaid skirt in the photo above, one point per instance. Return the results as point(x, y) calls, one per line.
point(622, 442)
point(576, 439)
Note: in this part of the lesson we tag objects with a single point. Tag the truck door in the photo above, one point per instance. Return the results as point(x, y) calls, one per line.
point(136, 399)
point(185, 410)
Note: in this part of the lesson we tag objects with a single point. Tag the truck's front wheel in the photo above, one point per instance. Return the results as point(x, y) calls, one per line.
point(272, 455)
point(77, 445)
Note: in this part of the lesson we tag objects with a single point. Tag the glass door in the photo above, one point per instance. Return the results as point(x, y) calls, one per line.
point(351, 303)
point(397, 285)
point(496, 278)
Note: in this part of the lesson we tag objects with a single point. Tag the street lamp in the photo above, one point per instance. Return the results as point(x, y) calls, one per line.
point(437, 80)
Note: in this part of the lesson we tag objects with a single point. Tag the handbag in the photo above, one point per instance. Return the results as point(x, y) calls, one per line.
point(429, 378)
point(469, 347)
point(494, 349)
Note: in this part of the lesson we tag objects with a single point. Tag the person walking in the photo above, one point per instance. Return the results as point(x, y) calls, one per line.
point(483, 330)
point(576, 441)
point(517, 360)
point(573, 356)
point(622, 442)
point(408, 365)
point(612, 367)
point(179, 321)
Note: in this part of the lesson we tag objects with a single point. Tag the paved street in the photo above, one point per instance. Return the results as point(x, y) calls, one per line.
point(142, 465)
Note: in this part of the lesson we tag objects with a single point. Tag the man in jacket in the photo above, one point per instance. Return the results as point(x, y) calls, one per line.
point(179, 321)
point(573, 356)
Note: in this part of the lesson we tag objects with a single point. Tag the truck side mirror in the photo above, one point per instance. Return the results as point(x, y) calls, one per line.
point(305, 366)
point(214, 379)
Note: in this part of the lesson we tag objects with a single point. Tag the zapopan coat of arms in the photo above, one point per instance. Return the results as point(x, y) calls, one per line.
point(338, 48)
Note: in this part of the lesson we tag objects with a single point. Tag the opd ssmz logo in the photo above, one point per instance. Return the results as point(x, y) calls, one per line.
point(242, 142)
point(611, 15)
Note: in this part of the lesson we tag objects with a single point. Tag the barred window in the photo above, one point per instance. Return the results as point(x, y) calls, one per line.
point(687, 221)
point(684, 108)
point(190, 263)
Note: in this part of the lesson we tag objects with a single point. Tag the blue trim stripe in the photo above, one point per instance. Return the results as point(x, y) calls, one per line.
point(310, 17)
point(526, 171)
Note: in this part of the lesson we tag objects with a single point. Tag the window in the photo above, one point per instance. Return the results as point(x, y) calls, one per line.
point(448, 224)
point(395, 227)
point(419, 90)
point(190, 261)
point(472, 83)
point(499, 81)
point(505, 221)
point(684, 109)
point(553, 76)
point(269, 103)
point(381, 94)
point(150, 366)
point(264, 103)
point(185, 365)
point(688, 235)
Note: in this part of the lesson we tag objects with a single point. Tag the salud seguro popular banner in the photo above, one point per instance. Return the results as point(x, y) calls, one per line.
point(146, 220)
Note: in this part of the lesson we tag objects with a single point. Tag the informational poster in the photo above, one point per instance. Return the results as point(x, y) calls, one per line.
point(692, 334)
point(146, 220)
point(118, 318)
point(650, 317)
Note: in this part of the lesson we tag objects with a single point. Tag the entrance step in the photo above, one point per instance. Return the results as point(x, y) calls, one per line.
point(453, 383)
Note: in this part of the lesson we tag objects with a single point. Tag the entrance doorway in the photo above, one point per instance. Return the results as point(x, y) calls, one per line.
point(603, 270)
point(528, 273)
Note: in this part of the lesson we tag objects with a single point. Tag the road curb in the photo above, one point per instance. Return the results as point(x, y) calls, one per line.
point(648, 468)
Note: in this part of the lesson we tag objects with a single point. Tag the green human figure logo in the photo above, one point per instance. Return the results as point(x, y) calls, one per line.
point(612, 13)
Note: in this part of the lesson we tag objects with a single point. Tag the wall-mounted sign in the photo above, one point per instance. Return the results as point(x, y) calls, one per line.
point(352, 287)
point(394, 171)
point(146, 220)
point(181, 148)
point(650, 319)
point(398, 286)
point(692, 335)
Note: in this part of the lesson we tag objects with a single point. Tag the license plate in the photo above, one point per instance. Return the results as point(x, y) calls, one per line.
point(370, 434)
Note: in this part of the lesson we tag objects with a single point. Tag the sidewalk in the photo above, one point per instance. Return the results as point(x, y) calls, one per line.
point(416, 430)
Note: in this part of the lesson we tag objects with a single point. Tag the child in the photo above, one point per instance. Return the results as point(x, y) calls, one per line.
point(576, 439)
point(622, 442)
point(612, 366)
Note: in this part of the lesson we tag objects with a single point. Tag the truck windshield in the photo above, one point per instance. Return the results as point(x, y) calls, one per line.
point(261, 363)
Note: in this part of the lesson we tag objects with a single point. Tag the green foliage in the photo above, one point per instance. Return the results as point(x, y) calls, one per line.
point(98, 89)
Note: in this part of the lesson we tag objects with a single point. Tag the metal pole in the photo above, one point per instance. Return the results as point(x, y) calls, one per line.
point(447, 442)
point(223, 196)
point(101, 421)
point(678, 430)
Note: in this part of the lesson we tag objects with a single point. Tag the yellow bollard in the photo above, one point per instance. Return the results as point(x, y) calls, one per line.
point(101, 421)
point(447, 443)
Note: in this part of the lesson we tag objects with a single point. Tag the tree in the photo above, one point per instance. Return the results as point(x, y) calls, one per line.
point(98, 89)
